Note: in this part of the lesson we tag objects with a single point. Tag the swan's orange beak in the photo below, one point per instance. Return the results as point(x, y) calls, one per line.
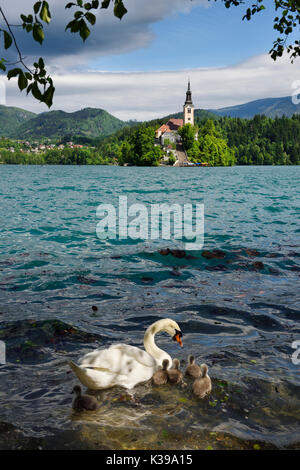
point(178, 337)
point(179, 340)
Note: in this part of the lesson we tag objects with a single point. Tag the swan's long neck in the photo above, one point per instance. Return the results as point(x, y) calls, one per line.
point(150, 345)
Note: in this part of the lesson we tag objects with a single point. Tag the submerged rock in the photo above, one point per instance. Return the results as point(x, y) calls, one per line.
point(214, 254)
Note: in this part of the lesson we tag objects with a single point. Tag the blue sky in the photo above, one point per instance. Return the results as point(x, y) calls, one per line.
point(137, 68)
point(203, 37)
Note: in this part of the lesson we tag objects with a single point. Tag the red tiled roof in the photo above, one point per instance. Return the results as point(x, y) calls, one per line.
point(163, 128)
point(174, 124)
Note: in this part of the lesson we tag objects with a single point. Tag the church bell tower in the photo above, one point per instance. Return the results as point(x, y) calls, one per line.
point(188, 107)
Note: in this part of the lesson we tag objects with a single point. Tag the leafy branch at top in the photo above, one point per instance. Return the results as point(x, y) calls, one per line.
point(81, 18)
point(284, 24)
point(33, 80)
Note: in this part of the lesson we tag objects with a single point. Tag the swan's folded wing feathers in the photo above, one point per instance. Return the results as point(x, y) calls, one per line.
point(136, 353)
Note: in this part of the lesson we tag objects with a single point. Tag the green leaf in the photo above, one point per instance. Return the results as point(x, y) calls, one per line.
point(29, 88)
point(48, 96)
point(22, 81)
point(84, 30)
point(2, 66)
point(13, 73)
point(105, 4)
point(69, 5)
point(119, 9)
point(28, 75)
point(95, 3)
point(36, 92)
point(36, 7)
point(91, 18)
point(45, 14)
point(87, 6)
point(7, 39)
point(74, 26)
point(38, 33)
point(79, 3)
point(41, 63)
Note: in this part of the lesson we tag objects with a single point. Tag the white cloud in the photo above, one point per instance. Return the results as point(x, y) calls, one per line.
point(109, 36)
point(148, 95)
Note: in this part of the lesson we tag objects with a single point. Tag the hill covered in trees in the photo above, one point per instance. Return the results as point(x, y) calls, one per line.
point(17, 123)
point(11, 118)
point(89, 122)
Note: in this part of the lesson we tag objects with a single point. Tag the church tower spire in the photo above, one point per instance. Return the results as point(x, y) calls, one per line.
point(188, 107)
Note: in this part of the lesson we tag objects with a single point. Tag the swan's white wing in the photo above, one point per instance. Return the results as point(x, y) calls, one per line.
point(144, 358)
point(116, 357)
point(120, 364)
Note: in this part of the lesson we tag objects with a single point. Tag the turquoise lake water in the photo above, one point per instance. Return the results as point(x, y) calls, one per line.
point(238, 307)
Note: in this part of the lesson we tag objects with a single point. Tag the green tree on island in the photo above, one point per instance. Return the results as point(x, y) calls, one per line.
point(211, 147)
point(187, 134)
point(139, 149)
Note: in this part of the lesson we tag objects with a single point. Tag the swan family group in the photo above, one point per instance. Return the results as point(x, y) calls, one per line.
point(126, 366)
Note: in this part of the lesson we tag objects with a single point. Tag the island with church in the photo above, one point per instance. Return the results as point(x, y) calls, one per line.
point(193, 137)
point(176, 141)
point(169, 136)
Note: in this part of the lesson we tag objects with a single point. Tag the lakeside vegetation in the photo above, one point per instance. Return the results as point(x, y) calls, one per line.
point(221, 141)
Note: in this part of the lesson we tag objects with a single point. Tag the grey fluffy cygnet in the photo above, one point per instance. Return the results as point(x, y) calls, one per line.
point(193, 370)
point(160, 377)
point(202, 386)
point(174, 374)
point(83, 402)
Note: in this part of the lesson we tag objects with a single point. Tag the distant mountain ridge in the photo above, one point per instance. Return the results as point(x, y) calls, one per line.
point(95, 122)
point(88, 122)
point(270, 107)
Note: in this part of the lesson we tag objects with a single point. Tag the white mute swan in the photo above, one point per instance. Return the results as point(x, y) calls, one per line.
point(126, 365)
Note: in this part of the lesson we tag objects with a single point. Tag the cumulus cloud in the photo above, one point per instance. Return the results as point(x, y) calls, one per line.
point(147, 95)
point(109, 36)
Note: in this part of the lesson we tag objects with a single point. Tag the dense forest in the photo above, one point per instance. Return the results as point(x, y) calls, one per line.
point(262, 140)
point(221, 141)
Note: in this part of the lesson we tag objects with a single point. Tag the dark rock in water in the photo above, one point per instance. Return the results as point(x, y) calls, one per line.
point(94, 308)
point(175, 271)
point(86, 280)
point(295, 268)
point(272, 255)
point(274, 271)
point(164, 251)
point(218, 267)
point(147, 279)
point(214, 254)
point(252, 252)
point(176, 253)
point(258, 265)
